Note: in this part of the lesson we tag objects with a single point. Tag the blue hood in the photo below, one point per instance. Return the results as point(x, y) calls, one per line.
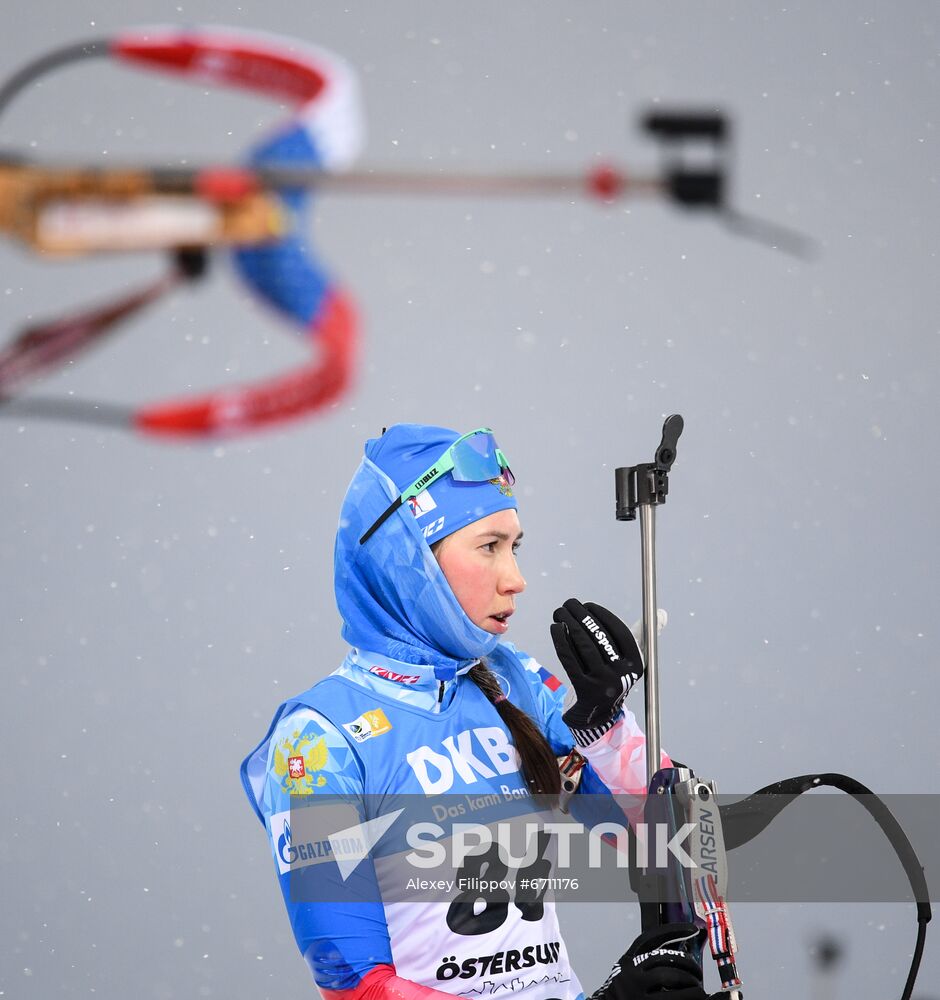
point(391, 593)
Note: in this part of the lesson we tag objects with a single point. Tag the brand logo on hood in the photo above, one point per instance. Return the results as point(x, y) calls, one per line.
point(502, 484)
point(391, 675)
point(422, 504)
point(432, 527)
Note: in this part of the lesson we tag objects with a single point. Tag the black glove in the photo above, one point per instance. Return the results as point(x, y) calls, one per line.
point(657, 966)
point(601, 659)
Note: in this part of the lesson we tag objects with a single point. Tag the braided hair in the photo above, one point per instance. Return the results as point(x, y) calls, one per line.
point(539, 764)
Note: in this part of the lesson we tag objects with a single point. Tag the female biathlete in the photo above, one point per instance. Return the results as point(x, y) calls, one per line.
point(431, 700)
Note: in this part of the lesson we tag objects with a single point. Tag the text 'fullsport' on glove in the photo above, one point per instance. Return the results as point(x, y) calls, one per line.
point(658, 966)
point(602, 660)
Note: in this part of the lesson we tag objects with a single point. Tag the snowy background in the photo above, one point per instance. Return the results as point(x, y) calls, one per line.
point(161, 599)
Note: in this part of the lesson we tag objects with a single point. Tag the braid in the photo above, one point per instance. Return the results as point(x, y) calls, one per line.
point(539, 765)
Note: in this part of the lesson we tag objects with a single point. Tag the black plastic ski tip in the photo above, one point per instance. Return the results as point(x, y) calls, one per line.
point(666, 452)
point(191, 262)
point(676, 126)
point(697, 188)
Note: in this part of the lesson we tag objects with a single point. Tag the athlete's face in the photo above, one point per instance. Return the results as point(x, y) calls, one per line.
point(479, 562)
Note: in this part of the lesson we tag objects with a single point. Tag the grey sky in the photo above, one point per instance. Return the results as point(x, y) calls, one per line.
point(162, 599)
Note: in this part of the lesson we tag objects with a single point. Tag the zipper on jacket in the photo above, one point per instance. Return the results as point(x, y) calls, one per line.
point(440, 692)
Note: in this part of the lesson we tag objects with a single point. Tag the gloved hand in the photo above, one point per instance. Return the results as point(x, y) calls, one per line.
point(601, 658)
point(657, 966)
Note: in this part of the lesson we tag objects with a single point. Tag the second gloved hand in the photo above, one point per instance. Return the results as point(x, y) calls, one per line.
point(601, 658)
point(658, 966)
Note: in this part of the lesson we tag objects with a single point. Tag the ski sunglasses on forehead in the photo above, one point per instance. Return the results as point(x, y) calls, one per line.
point(473, 458)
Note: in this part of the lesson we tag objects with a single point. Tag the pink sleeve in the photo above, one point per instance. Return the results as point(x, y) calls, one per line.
point(619, 757)
point(381, 983)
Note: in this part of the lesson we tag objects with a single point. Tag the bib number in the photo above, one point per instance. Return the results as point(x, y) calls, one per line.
point(484, 904)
